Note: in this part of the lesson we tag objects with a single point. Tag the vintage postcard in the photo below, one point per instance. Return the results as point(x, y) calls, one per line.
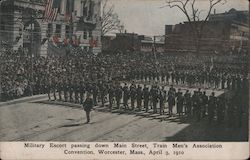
point(124, 79)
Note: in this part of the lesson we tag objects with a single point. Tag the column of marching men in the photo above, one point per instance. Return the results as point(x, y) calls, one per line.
point(203, 79)
point(153, 99)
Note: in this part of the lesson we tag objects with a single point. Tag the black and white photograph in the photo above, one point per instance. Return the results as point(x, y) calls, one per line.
point(124, 70)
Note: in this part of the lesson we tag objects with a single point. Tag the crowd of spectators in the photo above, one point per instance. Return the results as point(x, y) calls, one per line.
point(23, 75)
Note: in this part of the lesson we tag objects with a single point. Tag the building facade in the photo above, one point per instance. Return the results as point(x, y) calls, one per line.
point(222, 33)
point(132, 42)
point(77, 24)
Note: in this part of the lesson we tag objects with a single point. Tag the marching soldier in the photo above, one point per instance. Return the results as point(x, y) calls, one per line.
point(155, 97)
point(171, 103)
point(71, 89)
point(211, 107)
point(125, 96)
point(76, 91)
point(82, 91)
point(229, 80)
point(195, 102)
point(65, 91)
point(204, 104)
point(172, 90)
point(223, 80)
point(118, 96)
point(54, 86)
point(133, 96)
point(48, 88)
point(111, 96)
point(188, 103)
point(162, 98)
point(139, 96)
point(180, 101)
point(146, 95)
point(220, 109)
point(88, 105)
point(60, 88)
point(103, 93)
point(199, 105)
point(95, 91)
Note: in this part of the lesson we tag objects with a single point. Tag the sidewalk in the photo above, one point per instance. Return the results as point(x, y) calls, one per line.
point(23, 99)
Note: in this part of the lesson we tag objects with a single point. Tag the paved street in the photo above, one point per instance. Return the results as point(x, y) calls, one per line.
point(41, 120)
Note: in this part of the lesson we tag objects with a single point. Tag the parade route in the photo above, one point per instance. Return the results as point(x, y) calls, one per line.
point(52, 121)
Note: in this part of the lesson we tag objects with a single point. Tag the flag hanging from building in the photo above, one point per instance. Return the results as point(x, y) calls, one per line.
point(69, 10)
point(51, 10)
point(93, 42)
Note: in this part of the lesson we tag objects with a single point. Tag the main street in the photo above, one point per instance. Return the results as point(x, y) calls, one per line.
point(42, 120)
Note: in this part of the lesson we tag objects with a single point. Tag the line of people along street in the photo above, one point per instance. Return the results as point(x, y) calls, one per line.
point(154, 99)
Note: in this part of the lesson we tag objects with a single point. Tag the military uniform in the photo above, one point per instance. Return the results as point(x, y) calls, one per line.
point(204, 104)
point(155, 97)
point(133, 97)
point(95, 91)
point(180, 102)
point(139, 96)
point(82, 91)
point(76, 90)
point(221, 109)
point(71, 90)
point(125, 96)
point(187, 103)
point(65, 91)
point(111, 96)
point(211, 107)
point(60, 88)
point(162, 99)
point(146, 96)
point(88, 105)
point(171, 103)
point(118, 96)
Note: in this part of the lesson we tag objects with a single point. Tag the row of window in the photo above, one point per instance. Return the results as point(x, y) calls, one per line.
point(68, 31)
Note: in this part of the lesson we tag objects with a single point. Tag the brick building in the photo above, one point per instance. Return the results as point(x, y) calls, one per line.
point(128, 42)
point(223, 33)
point(22, 25)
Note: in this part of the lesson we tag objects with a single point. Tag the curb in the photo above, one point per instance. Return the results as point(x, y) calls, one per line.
point(23, 99)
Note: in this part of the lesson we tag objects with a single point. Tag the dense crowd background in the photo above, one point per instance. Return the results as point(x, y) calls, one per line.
point(73, 75)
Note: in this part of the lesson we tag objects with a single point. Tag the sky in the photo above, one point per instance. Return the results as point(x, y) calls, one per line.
point(148, 17)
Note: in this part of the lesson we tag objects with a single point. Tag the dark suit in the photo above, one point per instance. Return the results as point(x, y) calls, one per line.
point(88, 105)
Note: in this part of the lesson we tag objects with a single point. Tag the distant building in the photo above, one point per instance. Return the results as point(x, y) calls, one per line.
point(129, 42)
point(240, 17)
point(149, 45)
point(223, 33)
point(77, 23)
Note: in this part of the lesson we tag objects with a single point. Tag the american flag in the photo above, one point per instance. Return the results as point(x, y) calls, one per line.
point(51, 10)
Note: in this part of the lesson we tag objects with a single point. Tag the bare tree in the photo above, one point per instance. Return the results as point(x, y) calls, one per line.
point(109, 19)
point(193, 15)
